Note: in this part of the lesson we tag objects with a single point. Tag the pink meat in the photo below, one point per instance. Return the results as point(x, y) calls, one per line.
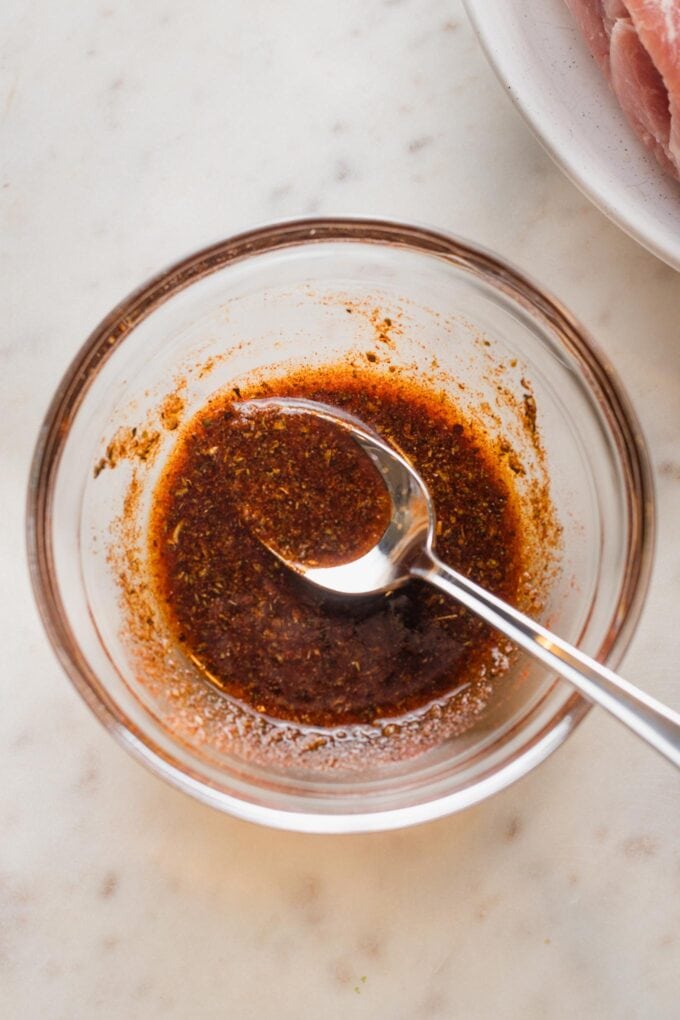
point(589, 14)
point(639, 88)
point(657, 23)
point(611, 10)
point(637, 44)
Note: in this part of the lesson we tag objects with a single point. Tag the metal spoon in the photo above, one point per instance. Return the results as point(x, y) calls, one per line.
point(406, 550)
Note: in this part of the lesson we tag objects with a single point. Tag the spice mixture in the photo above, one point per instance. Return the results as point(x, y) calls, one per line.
point(264, 636)
point(303, 485)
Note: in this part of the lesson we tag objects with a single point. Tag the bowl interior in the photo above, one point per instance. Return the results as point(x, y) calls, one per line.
point(469, 325)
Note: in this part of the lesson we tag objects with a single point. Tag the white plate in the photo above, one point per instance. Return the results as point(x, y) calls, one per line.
point(542, 60)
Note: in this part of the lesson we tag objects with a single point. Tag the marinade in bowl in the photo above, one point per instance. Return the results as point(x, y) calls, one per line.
point(255, 629)
point(416, 708)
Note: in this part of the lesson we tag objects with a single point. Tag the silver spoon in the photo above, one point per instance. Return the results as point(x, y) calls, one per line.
point(406, 550)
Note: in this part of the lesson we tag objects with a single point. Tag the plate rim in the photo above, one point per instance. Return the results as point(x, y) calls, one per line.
point(661, 248)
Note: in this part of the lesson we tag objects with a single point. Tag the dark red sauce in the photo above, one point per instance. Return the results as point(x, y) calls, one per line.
point(254, 628)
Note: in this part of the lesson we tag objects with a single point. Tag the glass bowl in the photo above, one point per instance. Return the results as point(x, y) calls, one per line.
point(281, 295)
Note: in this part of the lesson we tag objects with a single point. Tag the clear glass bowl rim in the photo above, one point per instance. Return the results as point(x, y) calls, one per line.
point(119, 323)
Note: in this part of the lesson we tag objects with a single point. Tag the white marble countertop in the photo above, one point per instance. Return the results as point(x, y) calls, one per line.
point(133, 133)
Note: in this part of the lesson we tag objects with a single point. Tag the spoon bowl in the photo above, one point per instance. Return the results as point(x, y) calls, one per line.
point(412, 522)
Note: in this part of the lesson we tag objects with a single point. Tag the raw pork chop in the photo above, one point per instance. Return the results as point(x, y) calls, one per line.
point(637, 45)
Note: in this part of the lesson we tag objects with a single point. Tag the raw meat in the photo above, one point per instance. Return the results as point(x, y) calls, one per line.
point(591, 20)
point(637, 45)
point(640, 90)
point(658, 26)
point(611, 10)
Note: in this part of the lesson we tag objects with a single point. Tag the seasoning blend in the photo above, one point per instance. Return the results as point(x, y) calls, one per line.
point(236, 483)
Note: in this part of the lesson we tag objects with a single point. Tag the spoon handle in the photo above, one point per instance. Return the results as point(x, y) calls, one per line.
point(654, 722)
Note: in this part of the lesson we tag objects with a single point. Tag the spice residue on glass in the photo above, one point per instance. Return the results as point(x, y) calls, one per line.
point(265, 637)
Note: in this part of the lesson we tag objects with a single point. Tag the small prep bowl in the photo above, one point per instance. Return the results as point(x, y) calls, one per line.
point(280, 295)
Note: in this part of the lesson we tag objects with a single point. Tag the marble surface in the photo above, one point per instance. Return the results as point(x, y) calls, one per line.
point(131, 134)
